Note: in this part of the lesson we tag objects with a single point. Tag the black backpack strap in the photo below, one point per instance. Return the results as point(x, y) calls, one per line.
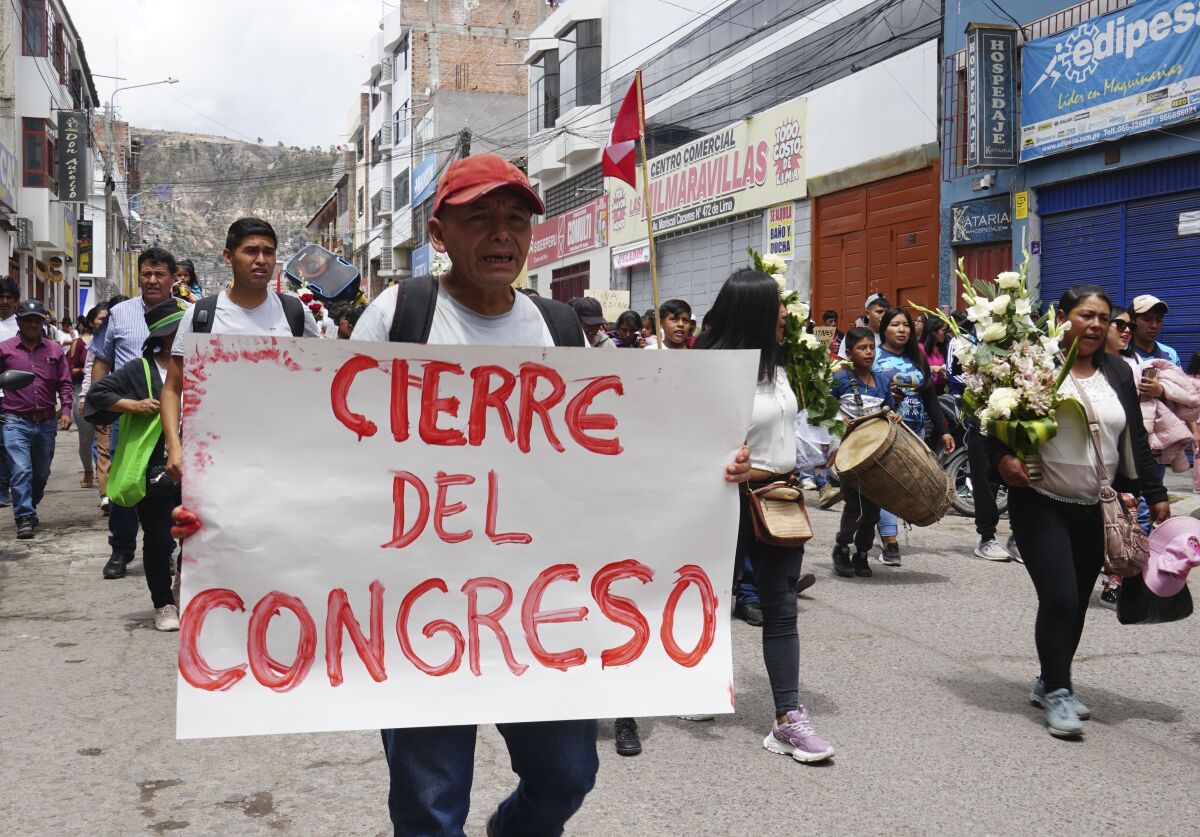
point(203, 314)
point(416, 300)
point(293, 310)
point(564, 325)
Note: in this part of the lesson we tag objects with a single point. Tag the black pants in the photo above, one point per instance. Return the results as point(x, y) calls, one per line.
point(1063, 548)
point(154, 513)
point(987, 516)
point(859, 518)
point(776, 570)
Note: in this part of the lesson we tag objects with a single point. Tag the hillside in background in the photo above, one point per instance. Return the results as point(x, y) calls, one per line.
point(195, 185)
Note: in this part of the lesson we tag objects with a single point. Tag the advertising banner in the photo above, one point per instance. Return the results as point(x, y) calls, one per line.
point(424, 180)
point(779, 230)
point(583, 228)
point(754, 163)
point(981, 221)
point(464, 581)
point(422, 260)
point(631, 257)
point(1123, 73)
point(8, 179)
point(84, 243)
point(991, 96)
point(72, 156)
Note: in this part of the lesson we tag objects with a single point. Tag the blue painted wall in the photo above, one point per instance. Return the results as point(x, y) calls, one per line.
point(1137, 150)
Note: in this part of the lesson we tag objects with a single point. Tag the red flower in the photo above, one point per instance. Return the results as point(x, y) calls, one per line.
point(306, 297)
point(314, 307)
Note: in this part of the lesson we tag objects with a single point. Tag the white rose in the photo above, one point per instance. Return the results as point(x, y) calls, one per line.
point(1003, 401)
point(979, 312)
point(1000, 304)
point(780, 280)
point(809, 341)
point(994, 332)
point(1008, 280)
point(773, 264)
point(1023, 308)
point(798, 310)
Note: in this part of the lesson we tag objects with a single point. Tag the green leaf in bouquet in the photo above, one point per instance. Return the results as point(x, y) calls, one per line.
point(1025, 436)
point(1068, 362)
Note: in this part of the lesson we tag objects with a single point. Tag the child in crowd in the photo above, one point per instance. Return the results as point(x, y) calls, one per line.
point(861, 390)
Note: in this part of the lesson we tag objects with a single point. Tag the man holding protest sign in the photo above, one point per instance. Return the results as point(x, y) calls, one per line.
point(482, 220)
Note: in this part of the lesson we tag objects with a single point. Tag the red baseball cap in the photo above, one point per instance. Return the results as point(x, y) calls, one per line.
point(470, 178)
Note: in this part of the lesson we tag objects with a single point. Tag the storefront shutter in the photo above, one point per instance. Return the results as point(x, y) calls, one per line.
point(1081, 247)
point(1161, 262)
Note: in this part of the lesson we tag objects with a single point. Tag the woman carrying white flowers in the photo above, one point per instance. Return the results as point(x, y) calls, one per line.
point(1057, 519)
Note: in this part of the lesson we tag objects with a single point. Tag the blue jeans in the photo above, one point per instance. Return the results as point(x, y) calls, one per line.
point(432, 767)
point(1143, 509)
point(30, 447)
point(887, 524)
point(122, 521)
point(5, 471)
point(745, 587)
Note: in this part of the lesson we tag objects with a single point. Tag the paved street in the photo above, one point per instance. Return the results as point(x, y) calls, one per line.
point(919, 676)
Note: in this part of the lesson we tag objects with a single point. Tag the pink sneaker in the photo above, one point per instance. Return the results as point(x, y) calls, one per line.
point(798, 739)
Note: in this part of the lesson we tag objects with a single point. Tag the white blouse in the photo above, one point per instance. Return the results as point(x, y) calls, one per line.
point(1069, 459)
point(772, 436)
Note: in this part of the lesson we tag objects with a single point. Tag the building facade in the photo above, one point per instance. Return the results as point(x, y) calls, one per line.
point(807, 131)
point(1102, 184)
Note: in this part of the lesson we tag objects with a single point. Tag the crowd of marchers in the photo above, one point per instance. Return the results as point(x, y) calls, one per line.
point(116, 377)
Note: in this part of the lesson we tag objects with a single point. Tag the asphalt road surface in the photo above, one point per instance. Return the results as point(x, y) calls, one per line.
point(919, 676)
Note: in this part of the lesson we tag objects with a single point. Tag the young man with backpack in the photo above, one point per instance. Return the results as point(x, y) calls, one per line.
point(246, 307)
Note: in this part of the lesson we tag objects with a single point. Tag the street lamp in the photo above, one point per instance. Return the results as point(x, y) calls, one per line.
point(112, 112)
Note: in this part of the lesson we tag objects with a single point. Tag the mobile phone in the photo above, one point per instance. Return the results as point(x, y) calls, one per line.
point(1149, 374)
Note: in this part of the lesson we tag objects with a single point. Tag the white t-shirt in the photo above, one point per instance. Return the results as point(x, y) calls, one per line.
point(456, 325)
point(266, 319)
point(772, 436)
point(8, 328)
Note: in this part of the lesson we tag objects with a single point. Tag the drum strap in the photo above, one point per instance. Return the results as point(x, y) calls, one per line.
point(858, 402)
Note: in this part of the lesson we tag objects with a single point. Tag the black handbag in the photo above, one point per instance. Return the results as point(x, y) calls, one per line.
point(1138, 605)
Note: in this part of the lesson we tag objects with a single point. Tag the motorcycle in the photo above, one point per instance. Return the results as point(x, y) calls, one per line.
point(957, 466)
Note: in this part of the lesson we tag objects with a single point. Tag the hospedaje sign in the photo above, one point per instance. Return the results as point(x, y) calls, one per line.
point(991, 96)
point(754, 163)
point(1123, 73)
point(981, 221)
point(583, 228)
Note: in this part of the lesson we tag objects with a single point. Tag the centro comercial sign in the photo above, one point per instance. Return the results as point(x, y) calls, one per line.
point(752, 164)
point(1126, 72)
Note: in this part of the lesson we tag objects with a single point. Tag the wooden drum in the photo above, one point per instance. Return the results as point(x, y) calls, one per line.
point(892, 467)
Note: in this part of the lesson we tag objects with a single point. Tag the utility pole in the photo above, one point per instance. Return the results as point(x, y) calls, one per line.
point(464, 142)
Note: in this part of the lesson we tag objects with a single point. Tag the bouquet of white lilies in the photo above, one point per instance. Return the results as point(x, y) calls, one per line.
point(1012, 369)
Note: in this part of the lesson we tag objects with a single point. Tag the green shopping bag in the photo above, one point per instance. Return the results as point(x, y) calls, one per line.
point(136, 438)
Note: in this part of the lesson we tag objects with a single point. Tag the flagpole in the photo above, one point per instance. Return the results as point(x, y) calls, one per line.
point(659, 335)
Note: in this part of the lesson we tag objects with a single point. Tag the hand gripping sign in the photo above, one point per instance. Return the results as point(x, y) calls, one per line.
point(398, 535)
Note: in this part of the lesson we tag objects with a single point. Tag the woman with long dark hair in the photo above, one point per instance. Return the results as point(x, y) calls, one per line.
point(935, 348)
point(900, 357)
point(1057, 521)
point(752, 317)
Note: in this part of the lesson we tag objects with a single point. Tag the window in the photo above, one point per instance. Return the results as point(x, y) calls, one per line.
point(33, 28)
point(401, 62)
point(575, 191)
point(57, 57)
point(400, 189)
point(376, 207)
point(550, 93)
point(587, 62)
point(400, 124)
point(359, 203)
point(420, 222)
point(39, 153)
point(376, 148)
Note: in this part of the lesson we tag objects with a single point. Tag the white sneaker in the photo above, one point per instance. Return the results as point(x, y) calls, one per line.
point(104, 503)
point(992, 551)
point(809, 485)
point(166, 618)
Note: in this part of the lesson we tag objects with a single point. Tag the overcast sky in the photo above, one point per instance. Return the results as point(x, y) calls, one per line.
point(277, 69)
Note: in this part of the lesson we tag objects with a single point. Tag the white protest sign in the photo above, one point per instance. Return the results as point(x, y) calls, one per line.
point(614, 303)
point(399, 535)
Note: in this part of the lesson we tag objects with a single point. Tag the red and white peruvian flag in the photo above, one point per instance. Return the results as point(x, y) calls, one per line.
point(620, 155)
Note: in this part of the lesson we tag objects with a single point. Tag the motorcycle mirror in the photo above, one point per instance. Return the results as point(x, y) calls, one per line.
point(15, 379)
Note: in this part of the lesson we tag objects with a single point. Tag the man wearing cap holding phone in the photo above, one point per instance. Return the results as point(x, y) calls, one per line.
point(482, 219)
point(30, 423)
point(591, 314)
point(876, 306)
point(1148, 312)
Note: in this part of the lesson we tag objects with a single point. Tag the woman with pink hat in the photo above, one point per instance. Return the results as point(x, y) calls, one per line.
point(1057, 520)
point(1174, 552)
